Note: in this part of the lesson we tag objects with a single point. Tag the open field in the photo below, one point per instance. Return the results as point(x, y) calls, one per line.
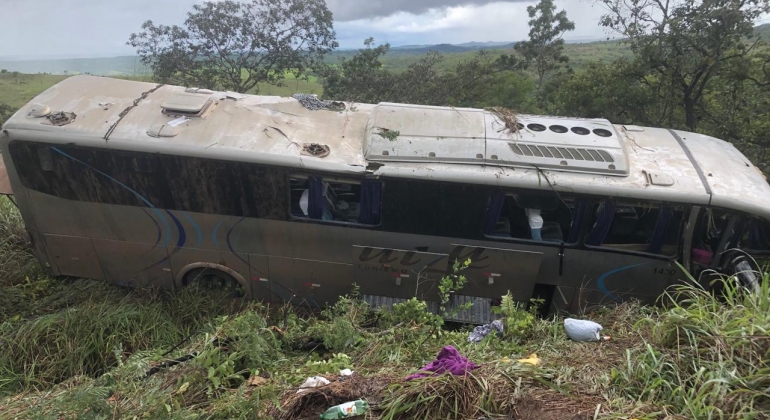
point(76, 348)
point(18, 89)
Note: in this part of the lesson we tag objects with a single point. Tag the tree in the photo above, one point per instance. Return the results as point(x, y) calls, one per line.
point(362, 78)
point(544, 48)
point(236, 45)
point(684, 43)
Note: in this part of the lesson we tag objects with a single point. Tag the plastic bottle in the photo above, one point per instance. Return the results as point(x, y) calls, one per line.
point(348, 409)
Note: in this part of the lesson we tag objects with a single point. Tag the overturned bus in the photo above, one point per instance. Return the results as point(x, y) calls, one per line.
point(141, 184)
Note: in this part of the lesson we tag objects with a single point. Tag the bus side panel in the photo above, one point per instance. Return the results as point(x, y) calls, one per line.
point(308, 282)
point(261, 283)
point(606, 277)
point(398, 273)
point(58, 216)
point(134, 264)
point(74, 256)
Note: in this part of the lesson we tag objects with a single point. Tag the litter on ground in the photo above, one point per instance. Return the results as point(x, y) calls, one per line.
point(448, 360)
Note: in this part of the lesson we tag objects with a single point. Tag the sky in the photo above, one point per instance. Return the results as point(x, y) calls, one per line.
point(92, 28)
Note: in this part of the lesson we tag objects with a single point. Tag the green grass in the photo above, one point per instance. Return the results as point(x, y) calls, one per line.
point(17, 89)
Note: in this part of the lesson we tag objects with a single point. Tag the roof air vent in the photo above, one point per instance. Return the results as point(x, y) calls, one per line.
point(185, 104)
point(581, 131)
point(536, 127)
point(602, 132)
point(558, 129)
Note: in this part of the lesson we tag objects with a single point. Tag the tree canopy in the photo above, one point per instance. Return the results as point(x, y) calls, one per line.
point(362, 78)
point(544, 48)
point(683, 44)
point(237, 45)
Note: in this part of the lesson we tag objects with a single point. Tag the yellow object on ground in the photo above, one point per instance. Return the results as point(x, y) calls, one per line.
point(531, 360)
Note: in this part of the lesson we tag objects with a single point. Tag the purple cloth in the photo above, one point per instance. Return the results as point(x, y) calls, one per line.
point(448, 360)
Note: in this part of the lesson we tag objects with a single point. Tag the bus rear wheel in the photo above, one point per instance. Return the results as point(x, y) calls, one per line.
point(745, 272)
point(213, 280)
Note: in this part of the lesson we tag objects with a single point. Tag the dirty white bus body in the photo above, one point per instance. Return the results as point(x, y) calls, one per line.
point(141, 184)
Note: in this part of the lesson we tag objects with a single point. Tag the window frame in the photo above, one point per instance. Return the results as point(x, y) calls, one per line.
point(562, 199)
point(332, 178)
point(686, 209)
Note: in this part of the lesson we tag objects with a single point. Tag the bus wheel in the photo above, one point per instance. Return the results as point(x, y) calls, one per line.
point(745, 272)
point(213, 280)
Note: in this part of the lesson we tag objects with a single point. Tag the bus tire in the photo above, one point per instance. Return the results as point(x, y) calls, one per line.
point(212, 279)
point(745, 272)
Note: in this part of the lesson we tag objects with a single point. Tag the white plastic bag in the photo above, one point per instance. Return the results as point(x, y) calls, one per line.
point(346, 372)
point(313, 382)
point(582, 330)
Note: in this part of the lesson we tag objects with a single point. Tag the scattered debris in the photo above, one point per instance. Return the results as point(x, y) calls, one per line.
point(345, 410)
point(346, 372)
point(314, 401)
point(61, 118)
point(510, 119)
point(313, 382)
point(582, 330)
point(531, 360)
point(256, 380)
point(389, 134)
point(448, 360)
point(312, 102)
point(482, 331)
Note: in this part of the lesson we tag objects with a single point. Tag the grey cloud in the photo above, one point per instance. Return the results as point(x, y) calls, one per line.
point(345, 10)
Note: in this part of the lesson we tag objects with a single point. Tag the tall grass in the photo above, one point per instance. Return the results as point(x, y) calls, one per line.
point(708, 355)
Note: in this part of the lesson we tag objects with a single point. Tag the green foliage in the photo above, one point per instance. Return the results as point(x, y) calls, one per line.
point(413, 312)
point(363, 78)
point(544, 48)
point(707, 356)
point(391, 135)
point(451, 284)
point(519, 322)
point(331, 366)
point(235, 46)
point(685, 43)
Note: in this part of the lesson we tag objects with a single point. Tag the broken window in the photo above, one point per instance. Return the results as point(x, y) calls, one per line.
point(539, 217)
point(756, 236)
point(335, 200)
point(638, 227)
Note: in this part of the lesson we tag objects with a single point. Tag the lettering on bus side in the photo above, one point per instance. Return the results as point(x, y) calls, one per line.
point(386, 257)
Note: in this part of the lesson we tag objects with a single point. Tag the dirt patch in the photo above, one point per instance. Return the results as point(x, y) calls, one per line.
point(550, 405)
point(312, 403)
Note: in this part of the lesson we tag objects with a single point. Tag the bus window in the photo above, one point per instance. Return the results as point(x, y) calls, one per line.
point(339, 201)
point(637, 227)
point(756, 237)
point(544, 218)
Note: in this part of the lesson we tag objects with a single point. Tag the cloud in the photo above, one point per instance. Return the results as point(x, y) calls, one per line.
point(496, 21)
point(345, 10)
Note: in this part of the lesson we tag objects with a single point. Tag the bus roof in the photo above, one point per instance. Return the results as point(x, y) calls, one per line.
point(492, 147)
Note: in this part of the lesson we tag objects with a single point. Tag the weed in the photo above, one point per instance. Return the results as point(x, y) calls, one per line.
point(388, 134)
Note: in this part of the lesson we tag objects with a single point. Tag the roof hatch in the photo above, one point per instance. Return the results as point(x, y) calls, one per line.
point(414, 133)
point(187, 104)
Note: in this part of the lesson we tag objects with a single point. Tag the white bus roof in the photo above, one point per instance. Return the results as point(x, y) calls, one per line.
point(589, 156)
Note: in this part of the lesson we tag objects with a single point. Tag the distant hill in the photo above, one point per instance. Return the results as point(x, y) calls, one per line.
point(763, 31)
point(579, 52)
